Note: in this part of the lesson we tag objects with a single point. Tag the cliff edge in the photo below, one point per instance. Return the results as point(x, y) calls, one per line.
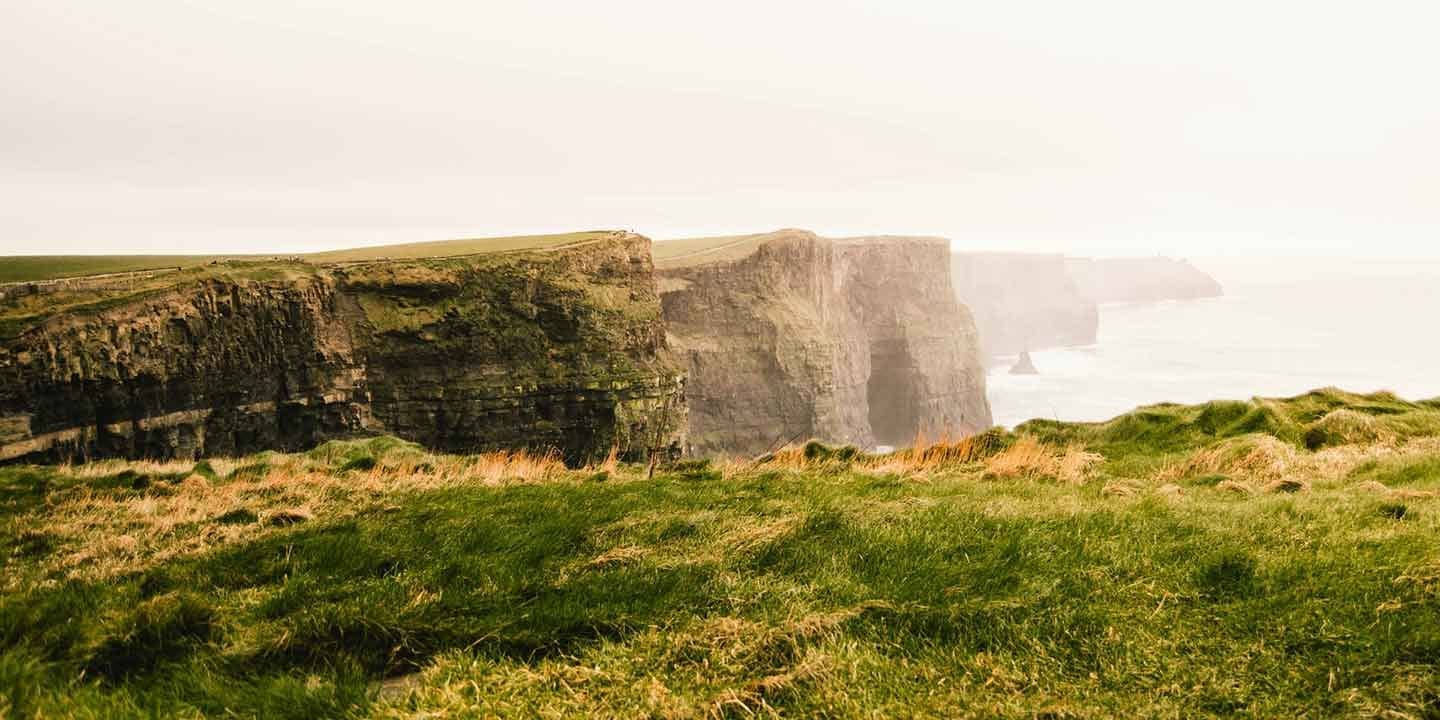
point(552, 343)
point(788, 336)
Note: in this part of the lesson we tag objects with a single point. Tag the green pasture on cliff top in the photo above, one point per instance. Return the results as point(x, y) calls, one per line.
point(31, 268)
point(695, 251)
point(1264, 558)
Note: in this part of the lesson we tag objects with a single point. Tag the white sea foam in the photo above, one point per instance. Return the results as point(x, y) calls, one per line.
point(1339, 324)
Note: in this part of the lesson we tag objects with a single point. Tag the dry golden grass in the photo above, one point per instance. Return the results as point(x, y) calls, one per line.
point(500, 466)
point(1030, 458)
point(611, 463)
point(752, 699)
point(1350, 427)
point(166, 521)
point(924, 456)
point(751, 536)
point(1120, 488)
point(1255, 458)
point(1287, 485)
point(1025, 457)
point(104, 468)
point(1262, 463)
point(619, 555)
point(791, 457)
point(1235, 486)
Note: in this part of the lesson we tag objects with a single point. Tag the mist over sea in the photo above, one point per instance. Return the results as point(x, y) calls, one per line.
point(1282, 328)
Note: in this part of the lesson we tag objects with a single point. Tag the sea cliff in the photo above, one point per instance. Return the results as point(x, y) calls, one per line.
point(788, 336)
point(556, 347)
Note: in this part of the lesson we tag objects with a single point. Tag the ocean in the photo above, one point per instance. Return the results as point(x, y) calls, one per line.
point(1282, 328)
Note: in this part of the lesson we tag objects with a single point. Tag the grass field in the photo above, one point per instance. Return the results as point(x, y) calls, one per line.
point(32, 268)
point(693, 251)
point(1261, 559)
point(441, 248)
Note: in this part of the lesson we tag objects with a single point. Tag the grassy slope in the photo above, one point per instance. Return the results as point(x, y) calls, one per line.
point(1000, 577)
point(441, 248)
point(29, 268)
point(694, 251)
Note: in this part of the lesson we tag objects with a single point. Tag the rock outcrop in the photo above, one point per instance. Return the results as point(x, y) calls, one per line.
point(561, 347)
point(926, 373)
point(1134, 280)
point(788, 336)
point(1024, 365)
point(1023, 301)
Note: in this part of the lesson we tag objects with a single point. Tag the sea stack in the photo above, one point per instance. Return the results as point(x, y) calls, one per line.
point(1024, 366)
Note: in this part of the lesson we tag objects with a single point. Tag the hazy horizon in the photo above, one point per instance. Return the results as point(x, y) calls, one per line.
point(1112, 128)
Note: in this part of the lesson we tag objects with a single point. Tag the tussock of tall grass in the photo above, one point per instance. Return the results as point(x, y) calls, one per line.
point(500, 466)
point(813, 455)
point(997, 453)
point(924, 455)
point(1030, 458)
point(1344, 426)
point(1259, 458)
point(1262, 462)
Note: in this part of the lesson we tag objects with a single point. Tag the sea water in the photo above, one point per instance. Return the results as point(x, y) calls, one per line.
point(1282, 328)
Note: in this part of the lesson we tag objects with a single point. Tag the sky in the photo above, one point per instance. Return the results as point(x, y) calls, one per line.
point(1108, 127)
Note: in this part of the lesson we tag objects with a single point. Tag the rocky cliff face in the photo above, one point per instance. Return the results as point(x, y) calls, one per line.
point(1141, 279)
point(1024, 301)
point(790, 336)
point(561, 348)
point(926, 374)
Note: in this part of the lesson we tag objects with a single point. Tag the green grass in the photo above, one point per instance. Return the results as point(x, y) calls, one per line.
point(1318, 419)
point(31, 268)
point(818, 583)
point(696, 251)
point(444, 248)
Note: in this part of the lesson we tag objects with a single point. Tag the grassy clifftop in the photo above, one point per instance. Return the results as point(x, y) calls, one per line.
point(97, 282)
point(698, 251)
point(36, 268)
point(1274, 558)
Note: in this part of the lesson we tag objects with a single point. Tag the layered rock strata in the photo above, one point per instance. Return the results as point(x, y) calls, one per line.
point(557, 348)
point(788, 336)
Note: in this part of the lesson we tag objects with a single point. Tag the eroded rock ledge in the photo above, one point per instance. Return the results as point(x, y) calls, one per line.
point(789, 336)
point(557, 348)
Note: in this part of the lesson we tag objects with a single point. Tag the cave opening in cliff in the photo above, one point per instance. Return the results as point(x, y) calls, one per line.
point(890, 393)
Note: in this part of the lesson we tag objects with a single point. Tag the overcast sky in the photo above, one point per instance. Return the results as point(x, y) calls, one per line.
point(1099, 127)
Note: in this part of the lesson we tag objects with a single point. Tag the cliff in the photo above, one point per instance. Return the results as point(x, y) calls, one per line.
point(926, 374)
point(1140, 279)
point(788, 336)
point(1023, 301)
point(551, 344)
